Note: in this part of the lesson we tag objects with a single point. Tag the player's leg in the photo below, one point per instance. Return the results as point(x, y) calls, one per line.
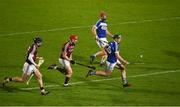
point(101, 45)
point(102, 54)
point(92, 57)
point(104, 58)
point(104, 43)
point(16, 79)
point(68, 73)
point(107, 72)
point(58, 68)
point(23, 78)
point(99, 73)
point(123, 74)
point(38, 76)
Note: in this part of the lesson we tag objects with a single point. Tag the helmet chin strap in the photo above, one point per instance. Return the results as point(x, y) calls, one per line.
point(103, 19)
point(37, 45)
point(72, 42)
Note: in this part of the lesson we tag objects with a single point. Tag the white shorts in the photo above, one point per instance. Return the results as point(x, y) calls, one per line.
point(29, 69)
point(64, 62)
point(110, 66)
point(118, 62)
point(102, 42)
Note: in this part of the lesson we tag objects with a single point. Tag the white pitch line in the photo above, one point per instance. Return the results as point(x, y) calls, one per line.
point(78, 27)
point(82, 82)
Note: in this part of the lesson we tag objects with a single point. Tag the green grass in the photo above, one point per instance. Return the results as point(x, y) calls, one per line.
point(158, 41)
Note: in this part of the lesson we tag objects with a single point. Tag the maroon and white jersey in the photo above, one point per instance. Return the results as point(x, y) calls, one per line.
point(33, 51)
point(68, 48)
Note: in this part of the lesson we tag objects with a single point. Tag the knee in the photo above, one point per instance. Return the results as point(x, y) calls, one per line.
point(39, 76)
point(69, 73)
point(105, 54)
point(108, 73)
point(121, 67)
point(23, 80)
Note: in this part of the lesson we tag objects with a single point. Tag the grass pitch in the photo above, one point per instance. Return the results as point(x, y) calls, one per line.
point(149, 28)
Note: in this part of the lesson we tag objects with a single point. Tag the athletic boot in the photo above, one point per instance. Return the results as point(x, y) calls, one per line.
point(90, 72)
point(92, 58)
point(52, 66)
point(102, 64)
point(5, 81)
point(66, 85)
point(44, 92)
point(127, 85)
point(61, 70)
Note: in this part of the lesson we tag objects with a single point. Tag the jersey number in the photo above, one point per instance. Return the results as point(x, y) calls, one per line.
point(108, 49)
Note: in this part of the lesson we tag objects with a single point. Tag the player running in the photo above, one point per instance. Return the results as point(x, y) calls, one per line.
point(100, 31)
point(66, 59)
point(30, 66)
point(113, 59)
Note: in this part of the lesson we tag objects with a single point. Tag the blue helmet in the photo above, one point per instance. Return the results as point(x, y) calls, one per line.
point(116, 36)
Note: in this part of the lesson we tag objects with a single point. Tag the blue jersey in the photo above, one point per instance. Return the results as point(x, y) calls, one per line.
point(111, 49)
point(101, 27)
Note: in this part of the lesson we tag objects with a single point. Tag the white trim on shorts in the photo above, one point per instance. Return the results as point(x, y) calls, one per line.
point(110, 66)
point(64, 62)
point(29, 69)
point(102, 42)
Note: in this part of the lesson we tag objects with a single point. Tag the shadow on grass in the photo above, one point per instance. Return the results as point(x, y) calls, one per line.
point(153, 68)
point(155, 91)
point(173, 54)
point(12, 89)
point(80, 58)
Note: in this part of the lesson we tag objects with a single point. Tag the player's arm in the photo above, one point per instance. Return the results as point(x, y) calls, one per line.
point(94, 28)
point(71, 57)
point(31, 55)
point(64, 54)
point(109, 33)
point(32, 60)
point(38, 57)
point(71, 60)
point(118, 56)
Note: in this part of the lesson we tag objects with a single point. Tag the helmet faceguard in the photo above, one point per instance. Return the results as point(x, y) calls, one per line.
point(37, 41)
point(117, 38)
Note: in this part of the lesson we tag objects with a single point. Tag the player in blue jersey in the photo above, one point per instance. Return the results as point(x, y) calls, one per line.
point(100, 32)
point(113, 59)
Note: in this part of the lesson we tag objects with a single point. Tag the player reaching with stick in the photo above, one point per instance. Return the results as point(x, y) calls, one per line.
point(66, 59)
point(100, 32)
point(30, 66)
point(113, 59)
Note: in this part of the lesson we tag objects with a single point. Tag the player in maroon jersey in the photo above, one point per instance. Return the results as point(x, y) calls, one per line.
point(66, 59)
point(30, 66)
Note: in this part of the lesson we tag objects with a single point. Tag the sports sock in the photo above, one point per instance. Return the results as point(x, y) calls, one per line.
point(62, 70)
point(55, 67)
point(94, 55)
point(93, 73)
point(10, 78)
point(124, 81)
point(66, 80)
point(42, 89)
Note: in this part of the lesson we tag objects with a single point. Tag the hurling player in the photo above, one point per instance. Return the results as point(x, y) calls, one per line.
point(30, 66)
point(100, 32)
point(113, 59)
point(66, 59)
